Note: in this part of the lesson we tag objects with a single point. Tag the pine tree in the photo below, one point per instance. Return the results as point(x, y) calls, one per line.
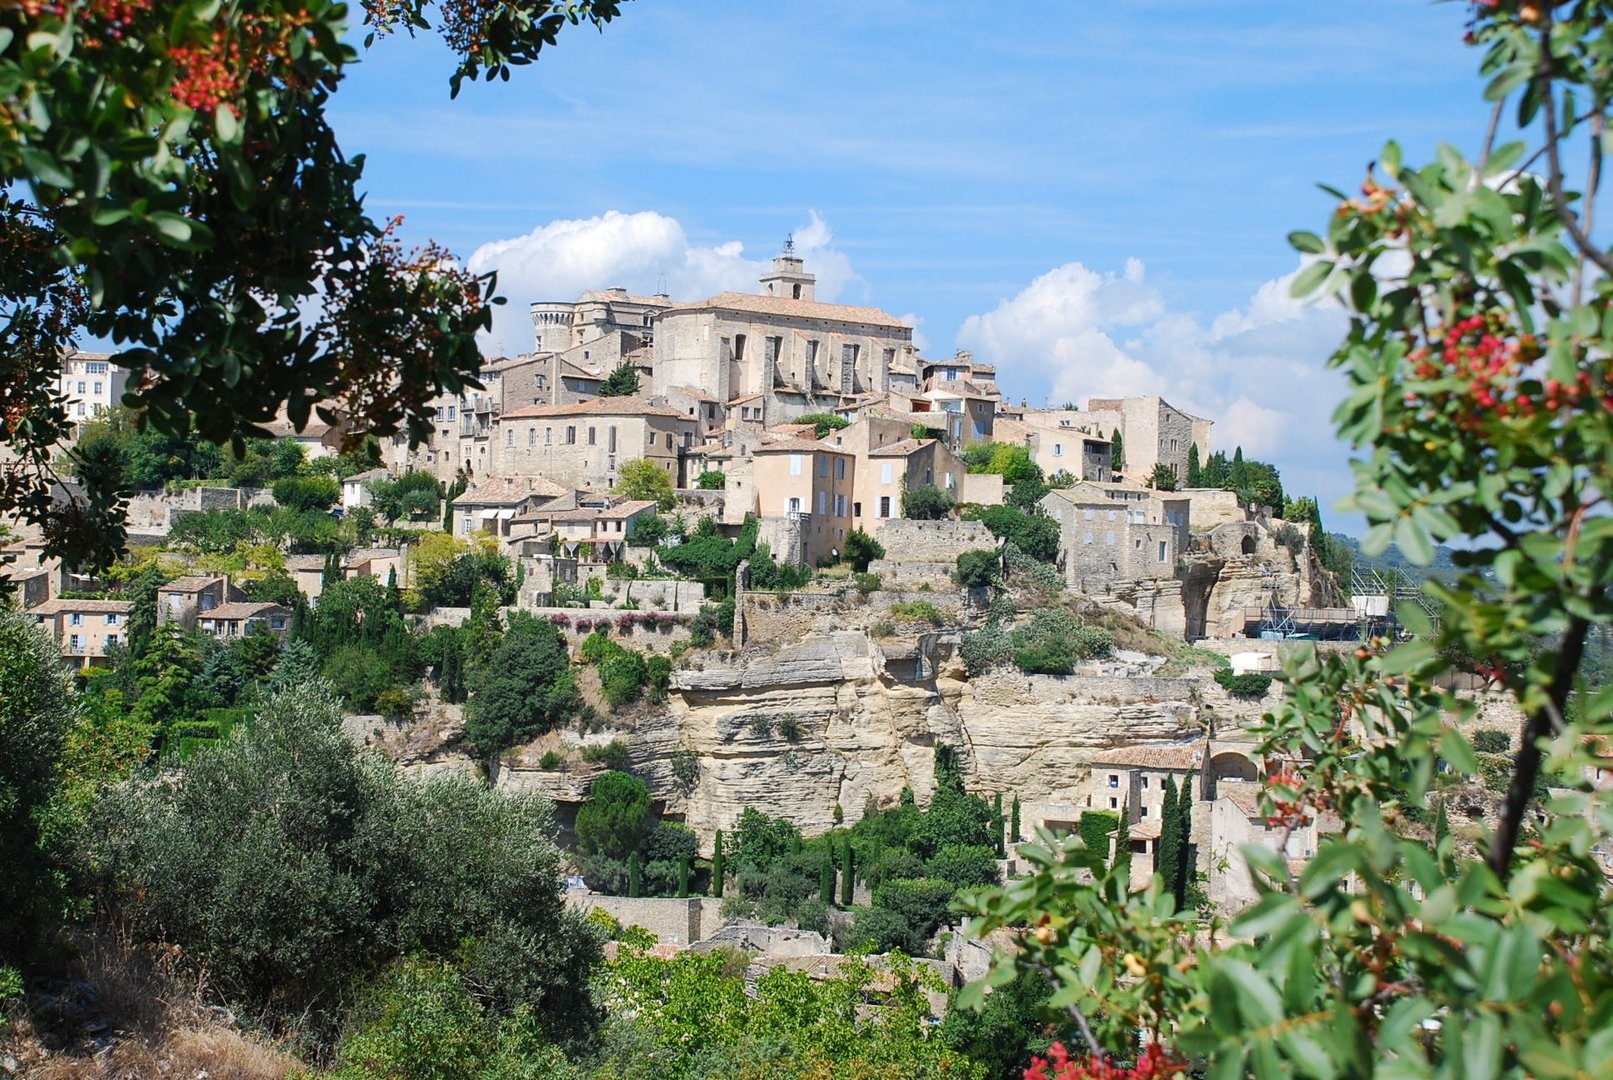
point(848, 874)
point(997, 811)
point(1117, 460)
point(1122, 862)
point(683, 876)
point(622, 381)
point(717, 867)
point(1013, 822)
point(826, 875)
point(1168, 864)
point(633, 883)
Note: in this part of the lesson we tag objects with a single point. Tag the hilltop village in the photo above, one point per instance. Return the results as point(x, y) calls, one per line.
point(772, 573)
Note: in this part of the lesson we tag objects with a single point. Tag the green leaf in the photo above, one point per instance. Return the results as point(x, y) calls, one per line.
point(1310, 279)
point(1503, 158)
point(45, 169)
point(1307, 242)
point(225, 124)
point(1455, 749)
point(1389, 158)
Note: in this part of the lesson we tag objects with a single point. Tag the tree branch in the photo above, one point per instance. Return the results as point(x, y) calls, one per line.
point(1598, 126)
point(1539, 723)
point(1554, 177)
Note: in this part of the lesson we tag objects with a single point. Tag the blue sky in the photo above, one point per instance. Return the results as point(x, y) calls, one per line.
point(1094, 195)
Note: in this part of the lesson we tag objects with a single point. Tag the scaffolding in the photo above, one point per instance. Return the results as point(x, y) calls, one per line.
point(1397, 586)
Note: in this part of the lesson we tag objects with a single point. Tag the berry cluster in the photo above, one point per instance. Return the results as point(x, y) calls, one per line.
point(206, 76)
point(1059, 1065)
point(1291, 808)
point(114, 19)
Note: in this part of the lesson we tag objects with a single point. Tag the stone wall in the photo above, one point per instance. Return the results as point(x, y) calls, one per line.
point(932, 541)
point(673, 921)
point(1212, 507)
point(578, 623)
point(158, 510)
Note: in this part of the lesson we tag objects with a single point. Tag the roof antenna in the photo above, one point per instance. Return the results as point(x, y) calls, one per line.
point(789, 245)
point(660, 285)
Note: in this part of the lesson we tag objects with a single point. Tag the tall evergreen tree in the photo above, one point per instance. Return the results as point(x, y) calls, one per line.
point(633, 875)
point(826, 875)
point(1185, 867)
point(1168, 864)
point(1117, 459)
point(997, 811)
point(1013, 822)
point(717, 868)
point(848, 874)
point(1195, 474)
point(1122, 861)
point(683, 876)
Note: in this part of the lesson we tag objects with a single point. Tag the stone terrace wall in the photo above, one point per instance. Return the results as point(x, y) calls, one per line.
point(158, 510)
point(673, 921)
point(932, 541)
point(658, 638)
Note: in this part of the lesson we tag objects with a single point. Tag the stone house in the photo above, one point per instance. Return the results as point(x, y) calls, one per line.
point(239, 618)
point(584, 445)
point(185, 599)
point(1057, 445)
point(600, 531)
point(783, 345)
point(90, 384)
point(491, 505)
point(356, 488)
point(1152, 429)
point(1116, 532)
point(559, 327)
point(803, 496)
point(85, 630)
point(709, 413)
point(1131, 780)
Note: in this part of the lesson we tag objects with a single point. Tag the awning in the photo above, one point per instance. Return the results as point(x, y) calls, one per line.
point(507, 513)
point(490, 512)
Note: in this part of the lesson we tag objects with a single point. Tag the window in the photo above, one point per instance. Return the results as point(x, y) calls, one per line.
point(1086, 514)
point(439, 412)
point(96, 367)
point(81, 388)
point(795, 505)
point(1109, 538)
point(1114, 804)
point(97, 388)
point(112, 640)
point(823, 465)
point(1086, 538)
point(1058, 449)
point(857, 509)
point(532, 436)
point(75, 619)
point(1145, 783)
point(571, 436)
point(1114, 780)
point(1162, 551)
point(795, 464)
point(739, 346)
point(840, 506)
point(78, 409)
point(548, 436)
point(885, 472)
point(509, 437)
point(590, 436)
point(840, 468)
point(1142, 812)
point(823, 502)
point(112, 618)
point(450, 412)
point(884, 506)
point(612, 445)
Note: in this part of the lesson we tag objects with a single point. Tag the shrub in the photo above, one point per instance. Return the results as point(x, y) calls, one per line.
point(613, 819)
point(1492, 742)
point(1033, 532)
point(963, 865)
point(612, 755)
point(712, 480)
point(592, 649)
point(551, 760)
point(927, 503)
point(867, 583)
point(823, 423)
point(884, 628)
point(862, 549)
point(1163, 478)
point(622, 675)
point(306, 492)
point(977, 569)
point(646, 480)
point(921, 905)
point(525, 688)
point(648, 531)
point(1093, 643)
point(1249, 685)
point(289, 866)
point(396, 701)
point(1096, 828)
point(1024, 570)
point(916, 609)
point(985, 649)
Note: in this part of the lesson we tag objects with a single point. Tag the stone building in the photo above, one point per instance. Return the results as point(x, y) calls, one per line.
point(1116, 532)
point(784, 345)
point(90, 383)
point(803, 498)
point(1058, 445)
point(559, 327)
point(239, 618)
point(85, 630)
point(185, 599)
point(492, 505)
point(1131, 780)
point(584, 445)
point(1152, 431)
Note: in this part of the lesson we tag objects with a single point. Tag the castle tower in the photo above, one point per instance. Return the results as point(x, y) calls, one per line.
point(786, 279)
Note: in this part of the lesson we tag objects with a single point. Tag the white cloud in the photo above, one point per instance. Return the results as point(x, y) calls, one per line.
point(644, 252)
point(921, 341)
point(1259, 371)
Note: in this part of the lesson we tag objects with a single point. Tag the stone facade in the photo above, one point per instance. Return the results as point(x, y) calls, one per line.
point(585, 445)
point(1152, 431)
point(1112, 533)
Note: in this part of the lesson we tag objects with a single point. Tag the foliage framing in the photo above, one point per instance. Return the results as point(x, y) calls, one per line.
point(1481, 407)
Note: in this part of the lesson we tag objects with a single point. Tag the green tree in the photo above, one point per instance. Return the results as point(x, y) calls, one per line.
point(862, 549)
point(414, 494)
point(644, 479)
point(36, 716)
point(199, 138)
point(1122, 851)
point(1168, 864)
point(711, 480)
point(1163, 478)
point(623, 381)
point(525, 688)
point(615, 817)
point(848, 873)
point(977, 569)
point(826, 876)
point(289, 866)
point(634, 875)
point(1195, 471)
point(718, 868)
point(926, 502)
point(823, 423)
point(1096, 828)
point(1117, 451)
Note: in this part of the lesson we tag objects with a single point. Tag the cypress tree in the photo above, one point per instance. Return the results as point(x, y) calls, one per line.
point(997, 816)
point(1117, 460)
point(1168, 864)
point(826, 875)
point(1013, 822)
point(848, 871)
point(1122, 861)
point(633, 883)
point(683, 876)
point(1184, 813)
point(1194, 470)
point(717, 867)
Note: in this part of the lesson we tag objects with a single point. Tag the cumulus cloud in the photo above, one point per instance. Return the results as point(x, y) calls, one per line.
point(1259, 370)
point(644, 252)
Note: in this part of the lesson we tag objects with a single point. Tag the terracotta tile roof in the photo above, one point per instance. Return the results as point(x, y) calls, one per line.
point(750, 303)
point(698, 395)
point(58, 606)
point(510, 489)
point(305, 562)
point(1144, 830)
point(746, 398)
point(242, 610)
point(635, 405)
point(622, 510)
point(1245, 796)
point(371, 474)
point(189, 584)
point(1177, 756)
point(606, 296)
point(797, 446)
